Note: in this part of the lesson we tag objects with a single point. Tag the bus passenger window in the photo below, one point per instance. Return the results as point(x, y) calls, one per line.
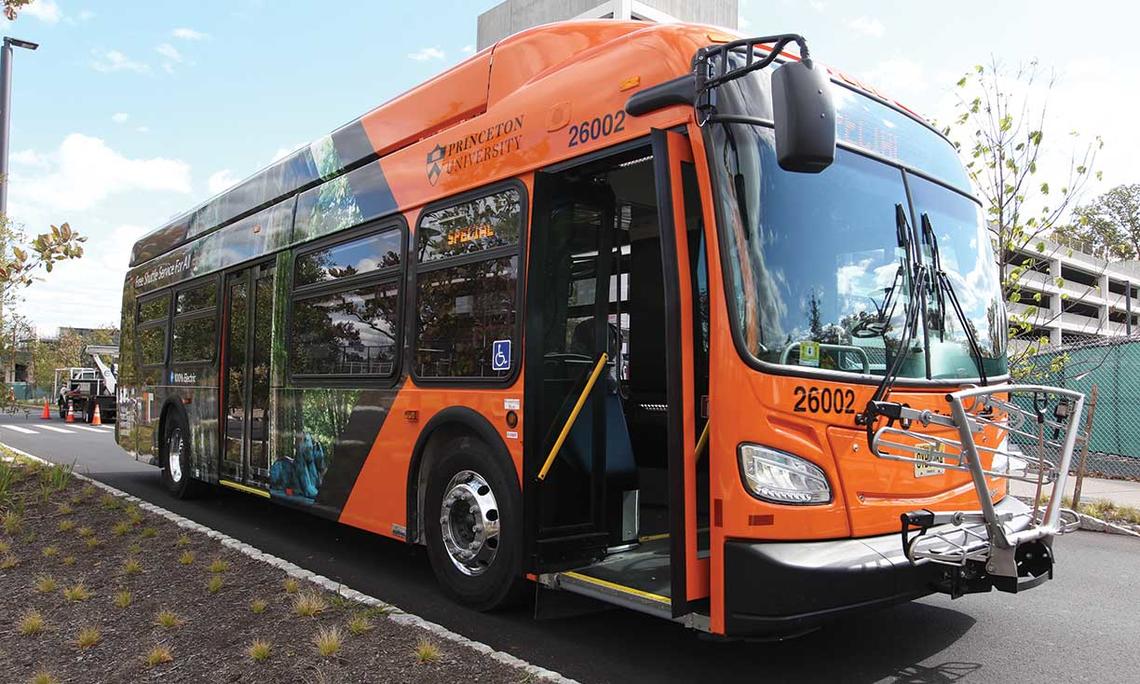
point(467, 287)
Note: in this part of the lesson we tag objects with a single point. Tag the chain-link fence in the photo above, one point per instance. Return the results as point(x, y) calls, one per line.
point(1113, 366)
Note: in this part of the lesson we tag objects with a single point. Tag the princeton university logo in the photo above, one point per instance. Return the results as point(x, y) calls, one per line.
point(475, 148)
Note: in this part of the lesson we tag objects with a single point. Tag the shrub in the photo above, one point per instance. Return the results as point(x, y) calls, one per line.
point(46, 584)
point(158, 655)
point(167, 619)
point(309, 604)
point(122, 599)
point(259, 650)
point(426, 651)
point(32, 622)
point(76, 592)
point(359, 624)
point(328, 641)
point(88, 637)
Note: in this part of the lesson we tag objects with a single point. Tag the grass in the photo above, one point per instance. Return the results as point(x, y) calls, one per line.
point(183, 540)
point(290, 585)
point(122, 599)
point(64, 508)
point(66, 525)
point(134, 549)
point(309, 604)
point(50, 551)
point(12, 522)
point(218, 565)
point(134, 514)
point(4, 547)
point(167, 619)
point(76, 592)
point(121, 528)
point(187, 557)
point(148, 533)
point(359, 624)
point(1110, 511)
point(42, 676)
point(46, 584)
point(32, 622)
point(132, 566)
point(426, 651)
point(215, 584)
point(258, 606)
point(109, 502)
point(8, 562)
point(68, 560)
point(158, 655)
point(88, 637)
point(92, 542)
point(259, 650)
point(328, 641)
point(85, 531)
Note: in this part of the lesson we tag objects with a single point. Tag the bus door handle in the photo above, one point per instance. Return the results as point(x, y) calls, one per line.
point(598, 367)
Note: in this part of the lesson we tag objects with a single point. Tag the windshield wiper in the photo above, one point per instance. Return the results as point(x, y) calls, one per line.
point(943, 290)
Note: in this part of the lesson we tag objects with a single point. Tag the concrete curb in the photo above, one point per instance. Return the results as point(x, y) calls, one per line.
point(1094, 524)
point(394, 613)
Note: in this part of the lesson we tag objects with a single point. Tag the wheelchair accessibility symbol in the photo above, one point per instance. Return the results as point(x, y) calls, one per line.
point(501, 355)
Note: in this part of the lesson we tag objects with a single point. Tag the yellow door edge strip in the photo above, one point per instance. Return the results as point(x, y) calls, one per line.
point(244, 488)
point(573, 415)
point(618, 587)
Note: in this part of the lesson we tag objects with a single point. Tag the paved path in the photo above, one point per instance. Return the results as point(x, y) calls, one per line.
point(1120, 492)
point(1084, 625)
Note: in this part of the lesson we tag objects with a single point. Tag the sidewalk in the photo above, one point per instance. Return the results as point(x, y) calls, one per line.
point(1120, 492)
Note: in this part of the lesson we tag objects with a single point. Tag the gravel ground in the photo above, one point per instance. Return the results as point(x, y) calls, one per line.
point(57, 536)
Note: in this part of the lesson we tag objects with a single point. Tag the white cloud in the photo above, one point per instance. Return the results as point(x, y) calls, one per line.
point(283, 152)
point(169, 51)
point(868, 26)
point(818, 5)
point(900, 78)
point(84, 171)
point(189, 34)
point(120, 117)
point(114, 60)
point(426, 54)
point(468, 49)
point(44, 10)
point(143, 129)
point(221, 180)
point(29, 158)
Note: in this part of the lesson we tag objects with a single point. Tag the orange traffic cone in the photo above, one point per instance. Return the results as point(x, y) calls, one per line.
point(95, 419)
point(46, 415)
point(70, 412)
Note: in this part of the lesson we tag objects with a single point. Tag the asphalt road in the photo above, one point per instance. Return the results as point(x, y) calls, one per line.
point(1084, 625)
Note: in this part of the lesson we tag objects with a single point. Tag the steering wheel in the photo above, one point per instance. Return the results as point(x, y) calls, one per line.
point(868, 328)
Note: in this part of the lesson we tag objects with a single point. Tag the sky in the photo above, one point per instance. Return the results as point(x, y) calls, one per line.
point(132, 112)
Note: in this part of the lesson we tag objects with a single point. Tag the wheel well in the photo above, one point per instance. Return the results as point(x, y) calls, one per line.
point(442, 428)
point(168, 410)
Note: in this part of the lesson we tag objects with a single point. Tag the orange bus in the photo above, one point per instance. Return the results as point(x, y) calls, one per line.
point(662, 316)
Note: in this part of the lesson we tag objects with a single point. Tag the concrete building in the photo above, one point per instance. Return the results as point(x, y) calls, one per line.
point(512, 16)
point(1078, 296)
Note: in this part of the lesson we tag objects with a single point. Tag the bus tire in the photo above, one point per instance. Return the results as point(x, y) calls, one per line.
point(175, 457)
point(473, 525)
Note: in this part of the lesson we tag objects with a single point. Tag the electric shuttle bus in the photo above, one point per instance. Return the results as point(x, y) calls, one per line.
point(669, 318)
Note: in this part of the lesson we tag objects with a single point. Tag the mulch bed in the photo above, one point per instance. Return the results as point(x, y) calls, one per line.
point(42, 556)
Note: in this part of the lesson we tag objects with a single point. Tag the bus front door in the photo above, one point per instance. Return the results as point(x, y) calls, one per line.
point(246, 345)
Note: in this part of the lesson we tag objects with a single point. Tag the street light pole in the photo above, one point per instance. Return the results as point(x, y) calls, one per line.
point(6, 111)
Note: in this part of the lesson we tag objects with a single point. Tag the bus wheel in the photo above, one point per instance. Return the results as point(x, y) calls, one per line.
point(473, 524)
point(175, 456)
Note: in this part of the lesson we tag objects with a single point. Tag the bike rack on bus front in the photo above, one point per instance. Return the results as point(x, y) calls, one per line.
point(1011, 551)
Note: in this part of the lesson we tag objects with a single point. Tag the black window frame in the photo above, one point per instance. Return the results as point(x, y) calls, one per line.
point(392, 274)
point(152, 323)
point(196, 314)
point(415, 268)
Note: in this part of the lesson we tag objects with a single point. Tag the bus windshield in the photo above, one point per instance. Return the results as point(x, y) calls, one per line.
point(816, 268)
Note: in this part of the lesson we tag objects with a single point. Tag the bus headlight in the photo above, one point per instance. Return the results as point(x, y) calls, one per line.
point(782, 478)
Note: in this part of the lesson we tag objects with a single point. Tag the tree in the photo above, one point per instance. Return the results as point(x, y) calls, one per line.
point(1109, 225)
point(1000, 127)
point(12, 7)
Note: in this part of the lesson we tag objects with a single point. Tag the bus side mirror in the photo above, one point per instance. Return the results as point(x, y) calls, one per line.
point(804, 116)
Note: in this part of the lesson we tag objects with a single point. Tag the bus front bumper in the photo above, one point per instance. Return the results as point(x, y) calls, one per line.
point(775, 589)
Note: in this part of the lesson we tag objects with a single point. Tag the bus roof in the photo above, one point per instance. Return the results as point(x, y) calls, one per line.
point(450, 98)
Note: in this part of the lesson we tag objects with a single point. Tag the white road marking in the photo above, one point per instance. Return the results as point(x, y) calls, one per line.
point(53, 429)
point(88, 428)
point(17, 428)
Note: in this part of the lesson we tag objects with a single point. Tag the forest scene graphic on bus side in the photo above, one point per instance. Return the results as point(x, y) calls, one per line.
point(315, 421)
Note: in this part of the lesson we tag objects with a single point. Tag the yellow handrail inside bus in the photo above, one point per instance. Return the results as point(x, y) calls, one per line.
point(573, 415)
point(702, 442)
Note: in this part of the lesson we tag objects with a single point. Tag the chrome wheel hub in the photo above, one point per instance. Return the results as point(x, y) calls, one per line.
point(469, 521)
point(174, 455)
